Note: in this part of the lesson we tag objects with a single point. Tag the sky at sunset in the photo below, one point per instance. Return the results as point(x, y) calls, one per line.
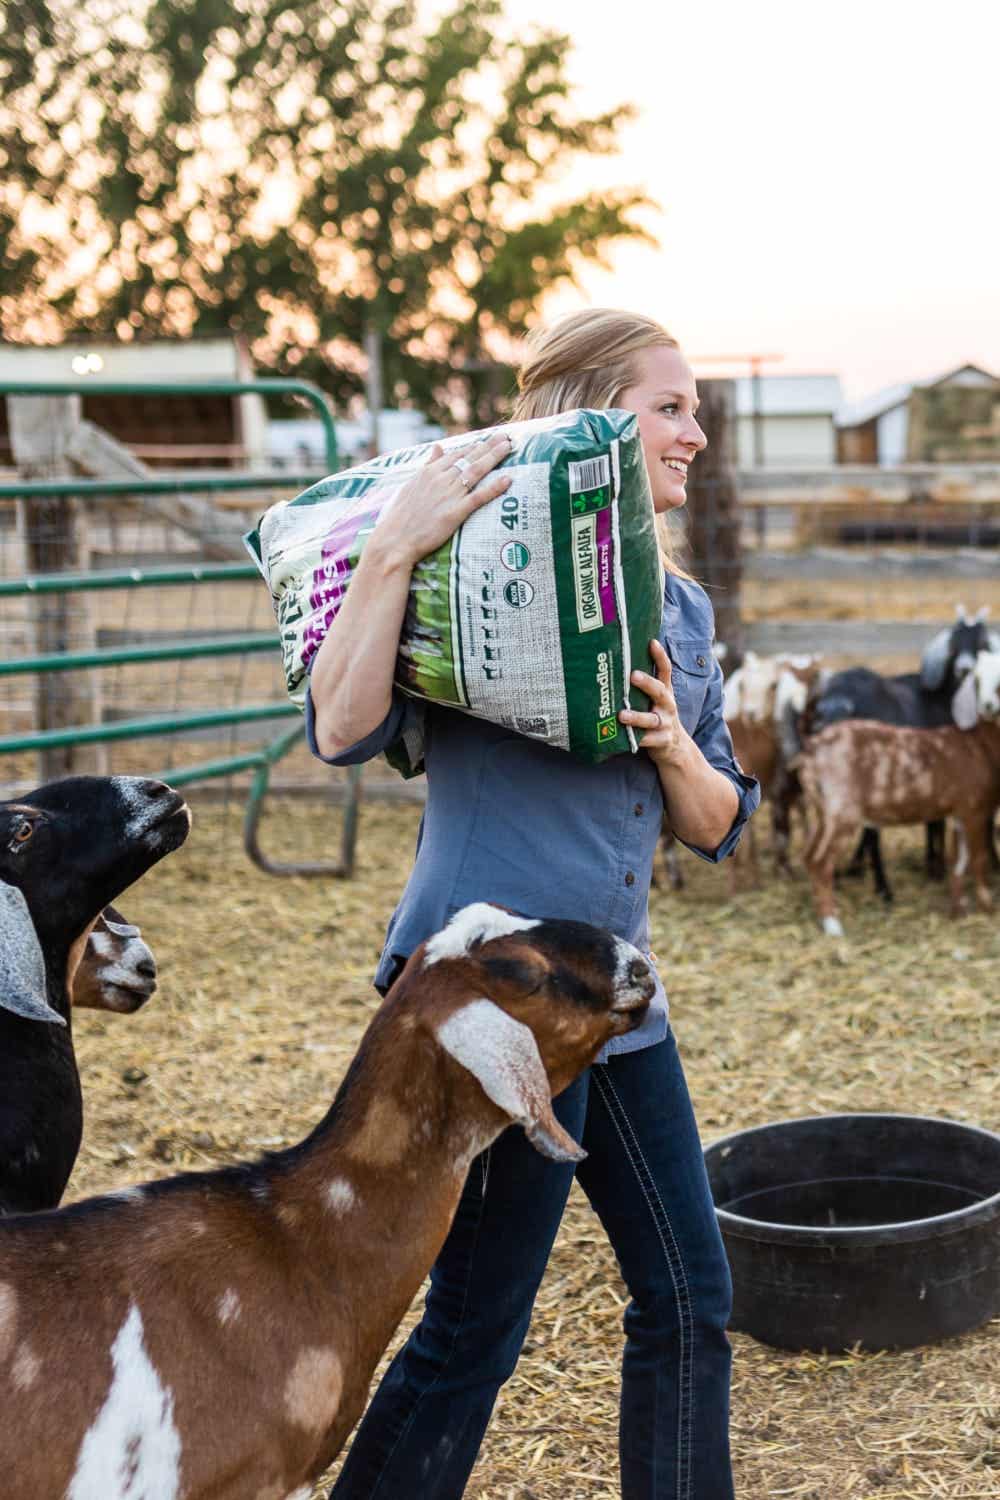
point(828, 176)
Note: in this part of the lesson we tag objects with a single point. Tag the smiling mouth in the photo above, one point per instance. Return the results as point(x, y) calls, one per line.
point(677, 466)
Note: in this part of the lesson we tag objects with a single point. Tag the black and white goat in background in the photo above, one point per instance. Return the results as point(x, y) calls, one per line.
point(66, 851)
point(916, 700)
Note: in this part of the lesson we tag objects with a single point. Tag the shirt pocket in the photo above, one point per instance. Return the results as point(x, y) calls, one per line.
point(691, 667)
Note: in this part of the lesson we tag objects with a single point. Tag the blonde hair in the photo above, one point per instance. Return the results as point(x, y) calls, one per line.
point(589, 358)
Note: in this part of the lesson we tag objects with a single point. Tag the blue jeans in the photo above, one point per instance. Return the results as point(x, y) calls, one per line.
point(645, 1178)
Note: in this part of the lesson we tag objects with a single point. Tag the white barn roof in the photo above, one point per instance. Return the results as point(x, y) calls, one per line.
point(789, 395)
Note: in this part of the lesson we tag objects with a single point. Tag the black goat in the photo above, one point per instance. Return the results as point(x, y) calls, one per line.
point(66, 851)
point(915, 700)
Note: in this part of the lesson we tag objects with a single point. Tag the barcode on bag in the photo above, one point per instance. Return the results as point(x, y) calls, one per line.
point(589, 474)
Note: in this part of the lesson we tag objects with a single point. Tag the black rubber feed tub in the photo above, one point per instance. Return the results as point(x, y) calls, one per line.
point(878, 1230)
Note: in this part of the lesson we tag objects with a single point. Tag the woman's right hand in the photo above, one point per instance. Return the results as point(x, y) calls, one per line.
point(431, 506)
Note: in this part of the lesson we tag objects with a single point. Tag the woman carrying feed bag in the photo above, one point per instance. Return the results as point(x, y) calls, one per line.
point(533, 828)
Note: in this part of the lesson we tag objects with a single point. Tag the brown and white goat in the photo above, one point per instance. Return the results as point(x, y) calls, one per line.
point(213, 1336)
point(859, 771)
point(763, 702)
point(117, 971)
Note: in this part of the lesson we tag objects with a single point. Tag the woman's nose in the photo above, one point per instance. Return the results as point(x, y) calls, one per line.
point(695, 436)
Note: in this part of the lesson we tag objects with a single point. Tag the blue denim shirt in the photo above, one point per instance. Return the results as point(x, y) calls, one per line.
point(511, 820)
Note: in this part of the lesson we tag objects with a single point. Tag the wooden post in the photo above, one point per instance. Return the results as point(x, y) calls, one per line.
point(713, 512)
point(374, 392)
point(55, 540)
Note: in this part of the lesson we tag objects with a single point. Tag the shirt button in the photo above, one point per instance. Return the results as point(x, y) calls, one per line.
point(700, 660)
point(638, 809)
point(630, 878)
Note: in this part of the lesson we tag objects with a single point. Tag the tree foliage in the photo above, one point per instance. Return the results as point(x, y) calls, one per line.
point(295, 172)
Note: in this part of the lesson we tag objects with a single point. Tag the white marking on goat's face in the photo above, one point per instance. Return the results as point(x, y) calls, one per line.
point(986, 675)
point(123, 959)
point(340, 1196)
point(132, 1450)
point(312, 1390)
point(143, 809)
point(24, 1371)
point(632, 984)
point(477, 923)
point(756, 690)
point(228, 1307)
point(502, 1053)
point(8, 1318)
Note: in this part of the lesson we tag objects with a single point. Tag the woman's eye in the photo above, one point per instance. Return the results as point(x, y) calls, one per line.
point(671, 408)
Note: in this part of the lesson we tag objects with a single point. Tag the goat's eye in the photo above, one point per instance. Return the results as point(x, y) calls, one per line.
point(23, 832)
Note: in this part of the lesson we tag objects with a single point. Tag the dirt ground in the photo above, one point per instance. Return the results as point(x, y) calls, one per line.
point(265, 991)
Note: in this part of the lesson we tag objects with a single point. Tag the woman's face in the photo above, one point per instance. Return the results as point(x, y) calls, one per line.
point(665, 400)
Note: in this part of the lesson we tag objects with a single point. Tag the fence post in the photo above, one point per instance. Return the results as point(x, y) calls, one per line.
point(714, 515)
point(54, 536)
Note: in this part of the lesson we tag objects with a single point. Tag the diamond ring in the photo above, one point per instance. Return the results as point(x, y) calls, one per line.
point(462, 465)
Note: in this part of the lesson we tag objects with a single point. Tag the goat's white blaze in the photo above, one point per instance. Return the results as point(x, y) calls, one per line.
point(626, 988)
point(121, 957)
point(340, 1196)
point(228, 1306)
point(477, 923)
point(502, 1053)
point(132, 1451)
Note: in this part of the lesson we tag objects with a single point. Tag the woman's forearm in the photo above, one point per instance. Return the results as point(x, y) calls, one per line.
point(700, 802)
point(351, 679)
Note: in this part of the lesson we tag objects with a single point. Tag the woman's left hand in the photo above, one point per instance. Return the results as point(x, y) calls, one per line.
point(664, 737)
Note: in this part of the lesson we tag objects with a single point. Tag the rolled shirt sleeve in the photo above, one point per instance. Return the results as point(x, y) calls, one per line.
point(401, 732)
point(712, 737)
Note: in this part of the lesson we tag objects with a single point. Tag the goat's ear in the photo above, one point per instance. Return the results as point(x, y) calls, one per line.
point(503, 1055)
point(22, 963)
point(965, 703)
point(934, 661)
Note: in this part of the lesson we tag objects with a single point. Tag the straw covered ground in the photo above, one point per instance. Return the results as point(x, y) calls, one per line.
point(265, 990)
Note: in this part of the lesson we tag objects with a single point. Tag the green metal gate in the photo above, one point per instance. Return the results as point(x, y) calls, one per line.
point(260, 761)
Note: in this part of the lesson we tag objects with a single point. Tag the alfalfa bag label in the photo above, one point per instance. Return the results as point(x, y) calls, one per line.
point(531, 616)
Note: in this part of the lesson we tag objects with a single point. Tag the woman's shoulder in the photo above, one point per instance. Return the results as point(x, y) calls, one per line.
point(688, 607)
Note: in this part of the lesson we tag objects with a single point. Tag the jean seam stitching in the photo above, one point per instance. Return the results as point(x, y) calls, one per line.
point(458, 1328)
point(675, 1265)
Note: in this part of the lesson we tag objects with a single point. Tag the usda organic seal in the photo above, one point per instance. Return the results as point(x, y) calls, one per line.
point(515, 556)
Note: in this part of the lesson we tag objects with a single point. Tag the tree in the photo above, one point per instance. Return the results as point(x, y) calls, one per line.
point(303, 173)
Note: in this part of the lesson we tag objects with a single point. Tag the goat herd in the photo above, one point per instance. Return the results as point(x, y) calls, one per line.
point(854, 751)
point(212, 1336)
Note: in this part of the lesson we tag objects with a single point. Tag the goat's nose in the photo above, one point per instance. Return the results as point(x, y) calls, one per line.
point(638, 970)
point(146, 968)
